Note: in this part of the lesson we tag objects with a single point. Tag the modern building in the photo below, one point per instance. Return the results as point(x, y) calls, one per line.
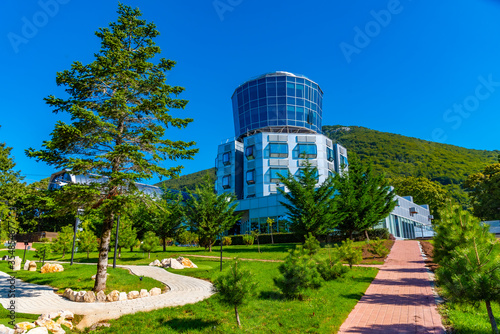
point(277, 124)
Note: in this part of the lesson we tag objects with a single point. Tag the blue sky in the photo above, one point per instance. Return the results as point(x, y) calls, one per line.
point(423, 69)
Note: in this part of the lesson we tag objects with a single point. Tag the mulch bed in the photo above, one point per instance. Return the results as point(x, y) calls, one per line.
point(428, 250)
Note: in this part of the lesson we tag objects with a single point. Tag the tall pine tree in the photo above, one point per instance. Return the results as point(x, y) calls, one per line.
point(119, 106)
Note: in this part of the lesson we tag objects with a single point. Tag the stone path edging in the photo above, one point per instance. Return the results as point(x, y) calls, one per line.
point(38, 299)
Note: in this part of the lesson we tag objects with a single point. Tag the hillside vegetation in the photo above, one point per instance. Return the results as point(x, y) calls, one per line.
point(394, 155)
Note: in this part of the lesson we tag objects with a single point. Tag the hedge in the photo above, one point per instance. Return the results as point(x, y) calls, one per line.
point(279, 238)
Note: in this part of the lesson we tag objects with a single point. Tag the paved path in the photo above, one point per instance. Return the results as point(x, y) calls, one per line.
point(400, 298)
point(38, 299)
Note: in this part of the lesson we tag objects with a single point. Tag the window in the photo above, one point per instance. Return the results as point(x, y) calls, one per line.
point(226, 181)
point(343, 161)
point(251, 176)
point(300, 173)
point(250, 152)
point(278, 150)
point(226, 158)
point(330, 155)
point(277, 172)
point(307, 151)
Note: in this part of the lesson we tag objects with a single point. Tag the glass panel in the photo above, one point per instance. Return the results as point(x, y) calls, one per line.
point(226, 158)
point(263, 102)
point(251, 176)
point(281, 90)
point(254, 115)
point(226, 182)
point(249, 152)
point(253, 93)
point(271, 89)
point(276, 172)
point(262, 90)
point(299, 90)
point(281, 100)
point(254, 104)
point(278, 150)
point(300, 114)
point(290, 100)
point(307, 151)
point(272, 113)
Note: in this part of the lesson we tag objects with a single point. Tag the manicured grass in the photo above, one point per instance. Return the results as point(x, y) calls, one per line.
point(323, 310)
point(20, 317)
point(79, 277)
point(467, 319)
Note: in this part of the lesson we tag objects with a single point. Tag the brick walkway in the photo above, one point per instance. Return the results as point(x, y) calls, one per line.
point(38, 299)
point(400, 298)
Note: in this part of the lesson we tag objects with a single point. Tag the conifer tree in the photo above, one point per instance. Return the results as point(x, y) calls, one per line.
point(149, 242)
point(119, 106)
point(87, 240)
point(64, 240)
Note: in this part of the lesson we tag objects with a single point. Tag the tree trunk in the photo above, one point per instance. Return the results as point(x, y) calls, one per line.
point(164, 244)
point(149, 255)
point(131, 249)
point(492, 317)
point(237, 316)
point(351, 232)
point(88, 254)
point(102, 264)
point(119, 252)
point(258, 244)
point(210, 247)
point(367, 237)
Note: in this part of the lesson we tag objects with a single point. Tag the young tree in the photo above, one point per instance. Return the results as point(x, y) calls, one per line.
point(149, 242)
point(363, 198)
point(484, 191)
point(235, 286)
point(64, 240)
point(310, 209)
point(119, 106)
point(87, 240)
point(423, 191)
point(210, 214)
point(127, 235)
point(471, 274)
point(347, 252)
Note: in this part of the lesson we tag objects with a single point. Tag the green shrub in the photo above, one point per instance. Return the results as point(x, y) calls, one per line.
point(248, 239)
point(382, 233)
point(329, 265)
point(279, 238)
point(377, 247)
point(311, 244)
point(226, 241)
point(347, 252)
point(43, 248)
point(298, 273)
point(187, 238)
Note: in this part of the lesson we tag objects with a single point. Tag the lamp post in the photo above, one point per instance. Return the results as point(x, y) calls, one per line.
point(221, 252)
point(116, 240)
point(77, 222)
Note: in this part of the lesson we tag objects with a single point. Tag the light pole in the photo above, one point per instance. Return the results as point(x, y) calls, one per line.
point(77, 222)
point(116, 240)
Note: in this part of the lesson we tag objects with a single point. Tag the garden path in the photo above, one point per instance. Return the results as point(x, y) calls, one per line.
point(400, 298)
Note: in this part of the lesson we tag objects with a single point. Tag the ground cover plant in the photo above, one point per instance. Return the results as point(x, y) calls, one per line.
point(322, 311)
point(79, 277)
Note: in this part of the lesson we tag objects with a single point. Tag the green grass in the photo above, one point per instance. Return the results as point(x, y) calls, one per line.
point(79, 277)
point(323, 311)
point(467, 319)
point(20, 317)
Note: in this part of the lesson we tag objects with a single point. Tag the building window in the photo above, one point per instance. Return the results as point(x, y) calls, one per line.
point(278, 150)
point(300, 173)
point(343, 161)
point(250, 152)
point(277, 172)
point(226, 158)
point(226, 181)
point(307, 151)
point(330, 155)
point(251, 176)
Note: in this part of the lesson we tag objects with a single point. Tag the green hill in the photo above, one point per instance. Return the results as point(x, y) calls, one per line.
point(394, 155)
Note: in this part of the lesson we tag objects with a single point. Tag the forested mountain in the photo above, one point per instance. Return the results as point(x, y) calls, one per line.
point(394, 155)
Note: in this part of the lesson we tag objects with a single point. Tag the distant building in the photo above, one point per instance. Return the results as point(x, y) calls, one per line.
point(277, 122)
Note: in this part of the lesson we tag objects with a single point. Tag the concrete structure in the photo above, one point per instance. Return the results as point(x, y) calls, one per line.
point(277, 123)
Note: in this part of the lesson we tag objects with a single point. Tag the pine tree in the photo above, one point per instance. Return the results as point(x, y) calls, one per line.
point(210, 214)
point(149, 242)
point(87, 240)
point(363, 198)
point(119, 106)
point(310, 208)
point(64, 240)
point(127, 235)
point(235, 286)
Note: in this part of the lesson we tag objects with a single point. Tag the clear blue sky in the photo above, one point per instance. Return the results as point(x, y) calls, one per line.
point(423, 69)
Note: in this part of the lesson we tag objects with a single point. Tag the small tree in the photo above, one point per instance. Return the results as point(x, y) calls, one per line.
point(347, 252)
point(210, 214)
point(471, 274)
point(298, 273)
point(310, 209)
point(270, 222)
point(311, 244)
point(87, 240)
point(329, 265)
point(235, 286)
point(254, 236)
point(248, 240)
point(377, 247)
point(227, 241)
point(64, 240)
point(149, 242)
point(484, 191)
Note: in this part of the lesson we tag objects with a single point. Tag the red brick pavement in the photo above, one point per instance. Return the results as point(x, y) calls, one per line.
point(400, 298)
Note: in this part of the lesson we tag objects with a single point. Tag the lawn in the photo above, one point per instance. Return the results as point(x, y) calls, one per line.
point(323, 311)
point(79, 277)
point(467, 319)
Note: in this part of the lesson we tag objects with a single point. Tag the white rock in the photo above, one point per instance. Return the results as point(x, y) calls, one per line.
point(144, 293)
point(113, 296)
point(155, 292)
point(155, 263)
point(17, 263)
point(68, 315)
point(67, 323)
point(38, 330)
point(24, 326)
point(72, 295)
point(6, 330)
point(27, 265)
point(165, 263)
point(100, 297)
point(79, 296)
point(67, 293)
point(122, 296)
point(174, 264)
point(133, 294)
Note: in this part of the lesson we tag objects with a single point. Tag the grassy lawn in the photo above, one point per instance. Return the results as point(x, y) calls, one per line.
point(323, 311)
point(20, 317)
point(79, 277)
point(467, 319)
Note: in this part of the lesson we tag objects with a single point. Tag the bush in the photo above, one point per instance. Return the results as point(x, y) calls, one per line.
point(41, 249)
point(279, 238)
point(377, 247)
point(187, 238)
point(226, 241)
point(311, 244)
point(299, 272)
point(382, 233)
point(329, 266)
point(248, 239)
point(347, 252)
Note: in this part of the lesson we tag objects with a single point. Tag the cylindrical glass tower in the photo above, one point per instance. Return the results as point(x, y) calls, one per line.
point(278, 101)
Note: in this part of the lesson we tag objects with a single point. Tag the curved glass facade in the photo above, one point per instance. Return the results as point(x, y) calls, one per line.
point(276, 100)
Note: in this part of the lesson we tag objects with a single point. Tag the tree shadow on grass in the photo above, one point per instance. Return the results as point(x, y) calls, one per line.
point(183, 324)
point(271, 295)
point(355, 296)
